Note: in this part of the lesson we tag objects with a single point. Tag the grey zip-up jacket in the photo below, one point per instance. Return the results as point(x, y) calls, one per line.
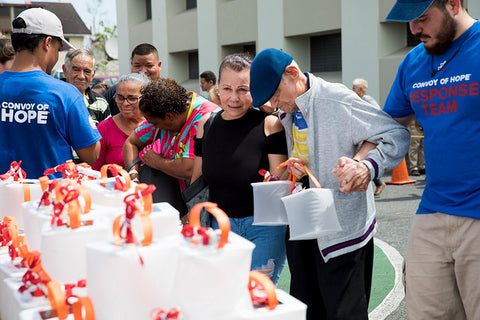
point(338, 122)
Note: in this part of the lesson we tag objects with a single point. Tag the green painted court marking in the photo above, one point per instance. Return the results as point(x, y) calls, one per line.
point(382, 282)
point(383, 278)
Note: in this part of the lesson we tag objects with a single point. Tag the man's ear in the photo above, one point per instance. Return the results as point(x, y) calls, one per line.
point(64, 69)
point(454, 6)
point(47, 43)
point(291, 71)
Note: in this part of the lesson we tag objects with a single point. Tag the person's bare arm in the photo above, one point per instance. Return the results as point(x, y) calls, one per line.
point(131, 149)
point(89, 154)
point(179, 168)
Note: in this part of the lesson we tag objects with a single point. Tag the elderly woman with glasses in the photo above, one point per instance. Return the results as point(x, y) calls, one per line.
point(115, 130)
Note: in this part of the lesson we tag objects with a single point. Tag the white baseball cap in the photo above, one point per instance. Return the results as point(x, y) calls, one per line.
point(41, 21)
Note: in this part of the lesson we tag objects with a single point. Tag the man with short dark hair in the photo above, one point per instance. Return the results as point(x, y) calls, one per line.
point(438, 83)
point(207, 80)
point(144, 59)
point(41, 118)
point(79, 70)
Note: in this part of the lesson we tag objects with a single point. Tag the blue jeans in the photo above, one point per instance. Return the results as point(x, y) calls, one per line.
point(269, 255)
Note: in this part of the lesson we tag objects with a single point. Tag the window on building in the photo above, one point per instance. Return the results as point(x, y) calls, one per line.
point(193, 72)
point(5, 12)
point(191, 4)
point(412, 41)
point(326, 53)
point(250, 49)
point(149, 9)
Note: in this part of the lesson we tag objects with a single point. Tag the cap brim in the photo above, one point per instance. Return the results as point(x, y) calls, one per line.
point(406, 12)
point(66, 45)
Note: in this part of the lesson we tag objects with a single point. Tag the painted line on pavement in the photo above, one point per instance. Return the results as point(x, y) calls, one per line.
point(396, 295)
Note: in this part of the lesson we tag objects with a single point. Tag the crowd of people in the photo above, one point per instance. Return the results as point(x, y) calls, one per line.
point(265, 111)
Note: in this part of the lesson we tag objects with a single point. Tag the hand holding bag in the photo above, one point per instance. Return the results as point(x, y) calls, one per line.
point(311, 212)
point(268, 208)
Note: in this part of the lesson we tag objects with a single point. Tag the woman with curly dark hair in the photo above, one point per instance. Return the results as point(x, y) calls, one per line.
point(164, 141)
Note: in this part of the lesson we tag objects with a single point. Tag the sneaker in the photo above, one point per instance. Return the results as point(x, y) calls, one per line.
point(379, 189)
point(422, 171)
point(415, 172)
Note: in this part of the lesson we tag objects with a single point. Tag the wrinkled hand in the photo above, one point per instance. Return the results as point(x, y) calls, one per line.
point(294, 167)
point(150, 157)
point(353, 176)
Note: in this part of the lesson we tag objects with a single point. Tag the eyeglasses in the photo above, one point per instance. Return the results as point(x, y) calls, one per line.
point(131, 99)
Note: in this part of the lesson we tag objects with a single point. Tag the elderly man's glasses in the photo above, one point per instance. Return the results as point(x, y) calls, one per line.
point(131, 99)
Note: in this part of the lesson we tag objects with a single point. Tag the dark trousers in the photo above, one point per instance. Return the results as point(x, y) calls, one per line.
point(338, 289)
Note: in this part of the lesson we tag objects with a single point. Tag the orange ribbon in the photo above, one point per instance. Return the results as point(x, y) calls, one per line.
point(219, 214)
point(59, 302)
point(115, 170)
point(260, 282)
point(131, 210)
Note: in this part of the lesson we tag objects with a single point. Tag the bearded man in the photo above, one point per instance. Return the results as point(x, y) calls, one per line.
point(438, 83)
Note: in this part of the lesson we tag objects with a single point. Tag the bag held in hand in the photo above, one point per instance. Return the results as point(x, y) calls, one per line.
point(311, 212)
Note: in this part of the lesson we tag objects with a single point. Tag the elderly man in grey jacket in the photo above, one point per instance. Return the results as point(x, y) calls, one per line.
point(325, 124)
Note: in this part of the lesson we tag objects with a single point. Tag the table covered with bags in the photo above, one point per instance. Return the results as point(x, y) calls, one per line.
point(93, 245)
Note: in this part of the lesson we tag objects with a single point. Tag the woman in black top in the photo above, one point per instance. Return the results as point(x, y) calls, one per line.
point(239, 143)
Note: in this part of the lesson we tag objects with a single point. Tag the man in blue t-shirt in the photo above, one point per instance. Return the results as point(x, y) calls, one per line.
point(438, 82)
point(41, 118)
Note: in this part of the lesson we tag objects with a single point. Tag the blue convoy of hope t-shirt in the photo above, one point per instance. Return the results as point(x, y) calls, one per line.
point(447, 106)
point(41, 119)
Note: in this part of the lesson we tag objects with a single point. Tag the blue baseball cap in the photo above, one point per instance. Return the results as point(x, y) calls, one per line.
point(265, 74)
point(408, 10)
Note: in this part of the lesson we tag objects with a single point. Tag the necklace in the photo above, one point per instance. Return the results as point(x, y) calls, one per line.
point(445, 62)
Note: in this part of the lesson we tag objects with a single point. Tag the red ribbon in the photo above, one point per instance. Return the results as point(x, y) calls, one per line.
point(69, 288)
point(71, 194)
point(45, 199)
point(160, 314)
point(15, 171)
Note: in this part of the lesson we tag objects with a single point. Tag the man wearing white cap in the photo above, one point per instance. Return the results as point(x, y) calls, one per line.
point(41, 118)
point(438, 82)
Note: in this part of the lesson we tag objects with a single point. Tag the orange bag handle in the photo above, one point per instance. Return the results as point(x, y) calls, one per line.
point(310, 174)
point(58, 299)
point(259, 278)
point(146, 225)
point(27, 193)
point(219, 214)
point(281, 165)
point(58, 302)
point(83, 192)
point(146, 201)
point(109, 167)
point(22, 246)
point(44, 181)
point(86, 305)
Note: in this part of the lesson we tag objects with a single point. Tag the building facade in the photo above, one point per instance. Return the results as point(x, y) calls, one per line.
point(338, 40)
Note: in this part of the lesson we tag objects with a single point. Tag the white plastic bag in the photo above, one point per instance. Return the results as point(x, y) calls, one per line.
point(311, 212)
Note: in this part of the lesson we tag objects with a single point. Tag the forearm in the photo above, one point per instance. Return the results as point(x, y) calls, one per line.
point(89, 154)
point(130, 152)
point(179, 168)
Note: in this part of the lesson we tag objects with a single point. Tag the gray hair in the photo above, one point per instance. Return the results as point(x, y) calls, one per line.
point(360, 83)
point(71, 54)
point(139, 78)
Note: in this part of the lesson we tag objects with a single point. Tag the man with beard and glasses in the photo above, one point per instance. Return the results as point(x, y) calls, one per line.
point(438, 83)
point(79, 69)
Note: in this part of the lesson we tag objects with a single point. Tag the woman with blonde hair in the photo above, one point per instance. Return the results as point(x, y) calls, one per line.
point(240, 142)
